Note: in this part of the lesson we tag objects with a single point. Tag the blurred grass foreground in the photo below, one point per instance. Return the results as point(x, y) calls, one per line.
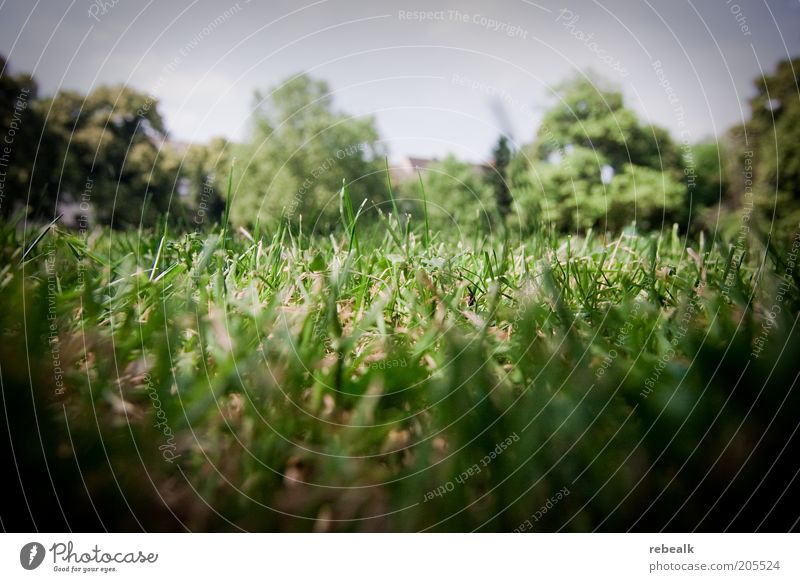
point(393, 379)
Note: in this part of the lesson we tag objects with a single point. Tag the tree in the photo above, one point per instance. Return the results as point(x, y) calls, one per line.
point(299, 152)
point(110, 154)
point(708, 167)
point(21, 125)
point(774, 134)
point(498, 177)
point(593, 115)
point(593, 164)
point(709, 161)
point(104, 151)
point(458, 195)
point(204, 173)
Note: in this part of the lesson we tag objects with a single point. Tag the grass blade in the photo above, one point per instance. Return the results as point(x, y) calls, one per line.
point(39, 237)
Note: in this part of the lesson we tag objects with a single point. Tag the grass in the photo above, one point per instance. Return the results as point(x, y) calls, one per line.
point(394, 379)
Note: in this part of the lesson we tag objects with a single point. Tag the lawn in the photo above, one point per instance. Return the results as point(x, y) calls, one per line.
point(389, 378)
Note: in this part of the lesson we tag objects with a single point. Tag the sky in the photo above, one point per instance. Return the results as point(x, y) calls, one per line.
point(438, 77)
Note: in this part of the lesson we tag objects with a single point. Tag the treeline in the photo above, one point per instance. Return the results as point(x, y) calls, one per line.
point(594, 164)
point(591, 164)
point(108, 156)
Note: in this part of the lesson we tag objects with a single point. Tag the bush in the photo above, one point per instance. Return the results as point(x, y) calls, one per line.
point(458, 195)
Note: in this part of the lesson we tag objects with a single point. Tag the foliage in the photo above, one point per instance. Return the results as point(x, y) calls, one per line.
point(21, 123)
point(299, 151)
point(593, 164)
point(205, 169)
point(498, 175)
point(458, 196)
point(571, 195)
point(708, 170)
point(773, 133)
point(592, 116)
point(710, 162)
point(111, 142)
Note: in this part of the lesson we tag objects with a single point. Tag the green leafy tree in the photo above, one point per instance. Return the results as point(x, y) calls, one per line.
point(709, 161)
point(113, 139)
point(204, 174)
point(774, 134)
point(498, 176)
point(300, 150)
point(594, 164)
point(707, 168)
point(21, 126)
point(458, 195)
point(593, 115)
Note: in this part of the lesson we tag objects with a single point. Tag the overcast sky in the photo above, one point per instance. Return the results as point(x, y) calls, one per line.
point(450, 82)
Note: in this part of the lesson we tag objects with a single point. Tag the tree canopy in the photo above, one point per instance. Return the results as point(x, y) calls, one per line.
point(299, 151)
point(20, 128)
point(593, 163)
point(773, 133)
point(111, 142)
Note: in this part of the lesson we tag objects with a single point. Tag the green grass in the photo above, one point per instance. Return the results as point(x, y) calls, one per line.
point(301, 383)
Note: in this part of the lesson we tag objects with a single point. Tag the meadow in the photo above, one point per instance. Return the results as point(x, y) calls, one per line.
point(388, 377)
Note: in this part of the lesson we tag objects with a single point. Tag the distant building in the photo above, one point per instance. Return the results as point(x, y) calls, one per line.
point(408, 167)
